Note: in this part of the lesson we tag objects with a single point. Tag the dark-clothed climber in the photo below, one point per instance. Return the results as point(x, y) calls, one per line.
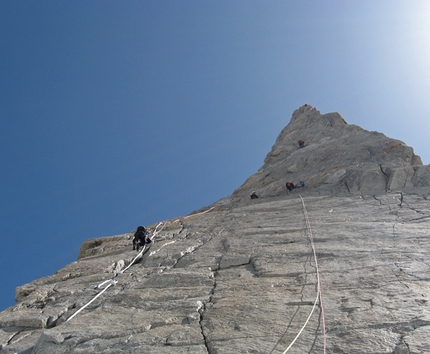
point(290, 186)
point(140, 238)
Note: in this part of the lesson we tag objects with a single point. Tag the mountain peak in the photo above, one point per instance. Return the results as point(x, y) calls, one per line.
point(336, 158)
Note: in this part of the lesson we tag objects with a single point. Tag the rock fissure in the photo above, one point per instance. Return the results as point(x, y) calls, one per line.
point(423, 214)
point(13, 336)
point(183, 254)
point(402, 328)
point(181, 223)
point(386, 176)
point(203, 308)
point(347, 187)
point(378, 200)
point(29, 333)
point(190, 250)
point(205, 340)
point(401, 347)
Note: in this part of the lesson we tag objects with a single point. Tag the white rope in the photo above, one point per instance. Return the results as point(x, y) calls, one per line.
point(144, 247)
point(134, 260)
point(301, 330)
point(101, 284)
point(317, 270)
point(319, 296)
point(203, 212)
point(113, 282)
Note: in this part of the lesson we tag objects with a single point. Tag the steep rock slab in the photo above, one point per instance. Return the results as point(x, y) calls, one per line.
point(243, 280)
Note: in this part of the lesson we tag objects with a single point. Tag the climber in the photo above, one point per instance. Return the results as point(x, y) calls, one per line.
point(301, 144)
point(290, 186)
point(140, 238)
point(254, 195)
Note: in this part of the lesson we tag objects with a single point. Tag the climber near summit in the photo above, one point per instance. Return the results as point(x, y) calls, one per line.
point(301, 144)
point(290, 185)
point(254, 195)
point(140, 238)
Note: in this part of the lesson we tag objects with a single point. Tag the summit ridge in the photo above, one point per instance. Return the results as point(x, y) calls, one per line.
point(337, 158)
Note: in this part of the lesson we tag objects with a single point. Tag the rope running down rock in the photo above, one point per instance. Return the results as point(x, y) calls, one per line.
point(319, 293)
point(112, 281)
point(308, 224)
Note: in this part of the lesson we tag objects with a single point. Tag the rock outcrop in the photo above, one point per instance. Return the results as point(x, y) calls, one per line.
point(240, 276)
point(337, 158)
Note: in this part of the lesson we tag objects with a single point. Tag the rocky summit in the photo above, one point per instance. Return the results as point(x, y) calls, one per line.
point(339, 265)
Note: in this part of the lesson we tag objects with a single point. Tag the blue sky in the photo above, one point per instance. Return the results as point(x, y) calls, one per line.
point(115, 114)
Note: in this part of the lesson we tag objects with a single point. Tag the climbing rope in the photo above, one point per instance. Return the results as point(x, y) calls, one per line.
point(144, 247)
point(112, 282)
point(308, 224)
point(191, 215)
point(303, 327)
point(318, 296)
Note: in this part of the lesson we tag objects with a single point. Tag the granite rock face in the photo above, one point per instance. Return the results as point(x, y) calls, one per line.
point(240, 276)
point(337, 158)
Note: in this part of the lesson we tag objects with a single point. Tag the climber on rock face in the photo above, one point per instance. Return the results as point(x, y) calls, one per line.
point(140, 238)
point(301, 144)
point(254, 195)
point(290, 186)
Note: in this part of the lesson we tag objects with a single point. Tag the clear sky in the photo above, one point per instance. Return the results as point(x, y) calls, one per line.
point(115, 114)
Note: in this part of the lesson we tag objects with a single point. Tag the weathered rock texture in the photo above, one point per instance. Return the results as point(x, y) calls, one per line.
point(240, 277)
point(337, 158)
